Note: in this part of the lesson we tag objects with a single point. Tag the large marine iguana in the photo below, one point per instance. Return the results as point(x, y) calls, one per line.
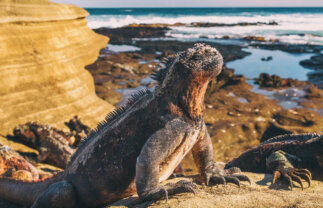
point(140, 144)
point(291, 156)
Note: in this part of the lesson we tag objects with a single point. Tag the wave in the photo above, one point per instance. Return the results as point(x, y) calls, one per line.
point(113, 21)
point(289, 27)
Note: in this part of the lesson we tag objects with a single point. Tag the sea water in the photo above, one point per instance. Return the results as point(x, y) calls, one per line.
point(284, 64)
point(295, 25)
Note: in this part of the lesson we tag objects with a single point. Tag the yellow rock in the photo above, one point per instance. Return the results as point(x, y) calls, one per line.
point(44, 48)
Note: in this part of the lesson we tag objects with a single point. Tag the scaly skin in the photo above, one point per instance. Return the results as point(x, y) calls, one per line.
point(139, 145)
point(293, 157)
point(12, 165)
point(54, 146)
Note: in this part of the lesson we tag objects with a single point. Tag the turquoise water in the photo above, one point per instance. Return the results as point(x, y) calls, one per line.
point(283, 64)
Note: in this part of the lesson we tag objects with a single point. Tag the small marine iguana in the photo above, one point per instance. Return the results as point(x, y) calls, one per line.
point(55, 146)
point(291, 156)
point(140, 144)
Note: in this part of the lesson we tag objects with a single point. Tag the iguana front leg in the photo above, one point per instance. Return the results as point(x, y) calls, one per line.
point(209, 172)
point(157, 150)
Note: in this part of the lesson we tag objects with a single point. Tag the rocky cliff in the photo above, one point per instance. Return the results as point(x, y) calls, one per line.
point(44, 48)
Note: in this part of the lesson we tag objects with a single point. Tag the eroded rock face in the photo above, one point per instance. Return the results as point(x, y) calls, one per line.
point(44, 48)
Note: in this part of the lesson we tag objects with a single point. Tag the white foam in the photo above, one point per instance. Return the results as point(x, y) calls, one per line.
point(122, 48)
point(288, 24)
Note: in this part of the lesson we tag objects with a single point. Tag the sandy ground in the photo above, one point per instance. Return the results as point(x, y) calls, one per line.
point(260, 194)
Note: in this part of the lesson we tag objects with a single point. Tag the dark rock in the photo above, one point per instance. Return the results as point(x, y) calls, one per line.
point(297, 117)
point(315, 62)
point(289, 48)
point(274, 81)
point(255, 38)
point(124, 35)
point(269, 58)
point(210, 24)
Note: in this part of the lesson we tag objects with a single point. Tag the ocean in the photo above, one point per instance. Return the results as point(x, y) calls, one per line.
point(295, 25)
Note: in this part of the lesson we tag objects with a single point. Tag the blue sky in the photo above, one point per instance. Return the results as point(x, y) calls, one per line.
point(193, 3)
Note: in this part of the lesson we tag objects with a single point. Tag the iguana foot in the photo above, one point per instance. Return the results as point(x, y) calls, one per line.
point(293, 174)
point(162, 192)
point(279, 163)
point(223, 176)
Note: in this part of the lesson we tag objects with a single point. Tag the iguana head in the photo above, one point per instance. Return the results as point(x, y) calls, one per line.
point(186, 77)
point(201, 59)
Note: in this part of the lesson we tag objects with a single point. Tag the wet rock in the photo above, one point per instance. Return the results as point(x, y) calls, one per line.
point(313, 92)
point(269, 58)
point(255, 38)
point(315, 62)
point(274, 81)
point(210, 24)
point(298, 118)
point(288, 47)
point(157, 25)
point(120, 71)
point(124, 35)
point(229, 52)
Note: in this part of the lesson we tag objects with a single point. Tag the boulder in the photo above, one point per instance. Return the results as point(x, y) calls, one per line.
point(44, 49)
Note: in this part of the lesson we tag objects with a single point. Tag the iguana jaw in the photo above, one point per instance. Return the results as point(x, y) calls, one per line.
point(197, 67)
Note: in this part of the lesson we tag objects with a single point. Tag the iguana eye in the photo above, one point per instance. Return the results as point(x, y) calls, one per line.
point(196, 57)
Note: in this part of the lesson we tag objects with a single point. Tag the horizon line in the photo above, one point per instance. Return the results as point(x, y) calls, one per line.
point(262, 7)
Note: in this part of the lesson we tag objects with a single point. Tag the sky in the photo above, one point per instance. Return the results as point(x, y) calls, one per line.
point(193, 3)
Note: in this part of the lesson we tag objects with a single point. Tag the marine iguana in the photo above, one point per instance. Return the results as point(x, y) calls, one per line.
point(140, 144)
point(55, 146)
point(291, 156)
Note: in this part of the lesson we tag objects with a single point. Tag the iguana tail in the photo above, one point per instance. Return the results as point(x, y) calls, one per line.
point(25, 192)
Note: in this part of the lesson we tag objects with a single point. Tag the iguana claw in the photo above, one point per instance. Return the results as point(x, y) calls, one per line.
point(293, 174)
point(278, 162)
point(219, 176)
point(162, 192)
point(181, 186)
